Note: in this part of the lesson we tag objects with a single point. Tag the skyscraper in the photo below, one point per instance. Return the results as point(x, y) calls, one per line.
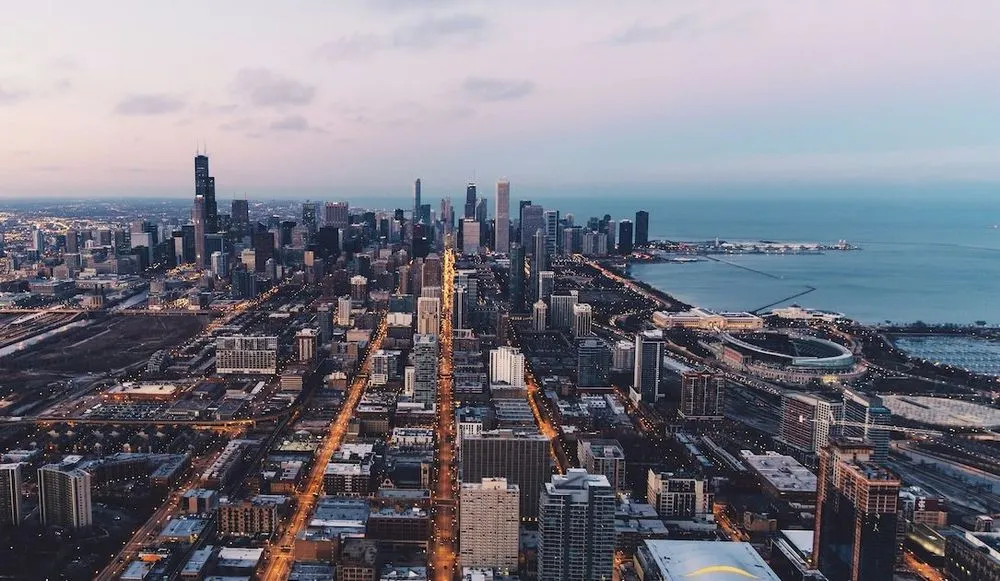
point(532, 220)
point(507, 366)
point(198, 217)
point(552, 237)
point(309, 218)
point(576, 527)
point(204, 185)
point(428, 315)
point(561, 314)
point(808, 421)
point(482, 212)
point(603, 457)
point(540, 257)
point(489, 524)
point(641, 228)
point(868, 410)
point(470, 200)
point(520, 457)
point(240, 217)
point(539, 312)
point(515, 283)
point(64, 496)
point(583, 320)
point(416, 201)
point(460, 307)
point(336, 215)
point(425, 368)
point(648, 365)
point(10, 495)
point(702, 395)
point(856, 514)
point(502, 225)
point(471, 236)
point(593, 363)
point(625, 237)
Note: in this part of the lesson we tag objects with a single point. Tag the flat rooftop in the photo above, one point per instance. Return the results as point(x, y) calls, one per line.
point(715, 560)
point(941, 411)
point(784, 473)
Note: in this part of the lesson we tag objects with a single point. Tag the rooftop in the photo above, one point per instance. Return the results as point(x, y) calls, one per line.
point(783, 472)
point(941, 411)
point(718, 561)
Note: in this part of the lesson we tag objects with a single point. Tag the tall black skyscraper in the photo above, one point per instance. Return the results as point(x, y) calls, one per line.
point(625, 237)
point(515, 284)
point(240, 219)
point(470, 200)
point(416, 201)
point(641, 228)
point(204, 185)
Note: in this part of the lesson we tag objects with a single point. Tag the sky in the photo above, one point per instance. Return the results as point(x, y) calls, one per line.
point(326, 99)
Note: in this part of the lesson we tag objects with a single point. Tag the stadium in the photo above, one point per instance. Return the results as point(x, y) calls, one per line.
point(787, 357)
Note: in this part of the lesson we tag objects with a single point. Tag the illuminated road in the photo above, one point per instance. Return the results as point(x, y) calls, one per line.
point(279, 560)
point(442, 552)
point(923, 570)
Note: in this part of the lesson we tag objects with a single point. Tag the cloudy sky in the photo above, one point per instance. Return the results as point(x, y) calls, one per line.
point(316, 97)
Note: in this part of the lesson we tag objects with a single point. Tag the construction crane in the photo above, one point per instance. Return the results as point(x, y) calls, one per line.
point(864, 426)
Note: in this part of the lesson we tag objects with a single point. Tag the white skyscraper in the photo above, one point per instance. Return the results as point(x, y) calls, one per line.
point(583, 318)
point(503, 217)
point(344, 311)
point(64, 496)
point(219, 264)
point(489, 518)
point(507, 366)
point(428, 315)
point(10, 495)
point(538, 314)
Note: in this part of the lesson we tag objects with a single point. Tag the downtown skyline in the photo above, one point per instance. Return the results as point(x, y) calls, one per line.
point(310, 100)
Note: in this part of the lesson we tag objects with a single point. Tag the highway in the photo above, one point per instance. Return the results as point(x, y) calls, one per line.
point(442, 553)
point(278, 562)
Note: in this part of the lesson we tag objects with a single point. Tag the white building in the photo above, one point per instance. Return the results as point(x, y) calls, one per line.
point(245, 354)
point(64, 495)
point(583, 320)
point(344, 311)
point(428, 316)
point(507, 366)
point(489, 520)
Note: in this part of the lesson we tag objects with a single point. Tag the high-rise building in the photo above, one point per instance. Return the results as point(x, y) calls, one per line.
point(246, 355)
point(868, 410)
point(306, 341)
point(552, 232)
point(309, 215)
point(520, 457)
point(204, 185)
point(539, 312)
point(808, 421)
point(612, 232)
point(856, 514)
point(507, 366)
point(425, 368)
point(10, 495)
point(336, 215)
point(198, 217)
point(344, 311)
point(64, 496)
point(471, 237)
point(324, 319)
point(625, 237)
point(641, 228)
point(482, 213)
point(428, 315)
point(263, 249)
point(470, 200)
point(502, 225)
point(489, 524)
point(38, 240)
point(540, 257)
point(648, 365)
point(576, 527)
point(460, 307)
point(605, 457)
point(415, 217)
point(359, 290)
point(623, 356)
point(239, 217)
point(593, 363)
point(532, 220)
point(546, 281)
point(678, 495)
point(702, 395)
point(219, 264)
point(583, 320)
point(561, 316)
point(515, 285)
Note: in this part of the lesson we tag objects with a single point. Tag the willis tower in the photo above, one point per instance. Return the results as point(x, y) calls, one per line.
point(204, 185)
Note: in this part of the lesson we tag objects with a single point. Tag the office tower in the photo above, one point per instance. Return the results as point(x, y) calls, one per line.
point(72, 241)
point(428, 315)
point(336, 215)
point(868, 410)
point(64, 496)
point(10, 495)
point(309, 218)
point(648, 365)
point(539, 313)
point(507, 366)
point(243, 284)
point(219, 264)
point(678, 495)
point(327, 242)
point(470, 201)
point(344, 311)
point(359, 290)
point(583, 320)
point(641, 228)
point(482, 214)
point(240, 217)
point(502, 217)
point(593, 362)
point(415, 217)
point(562, 311)
point(540, 257)
point(306, 339)
point(702, 395)
point(808, 421)
point(856, 514)
point(546, 282)
point(471, 237)
point(460, 308)
point(552, 238)
point(204, 185)
point(263, 249)
point(625, 237)
point(532, 220)
point(431, 271)
point(576, 527)
point(605, 457)
point(38, 240)
point(324, 320)
point(489, 524)
point(515, 283)
point(520, 457)
point(198, 217)
point(425, 368)
point(612, 233)
point(623, 356)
